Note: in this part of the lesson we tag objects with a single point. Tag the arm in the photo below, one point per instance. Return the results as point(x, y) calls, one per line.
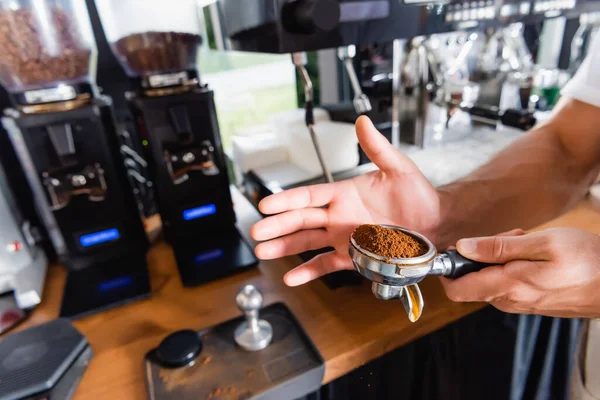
point(553, 272)
point(535, 179)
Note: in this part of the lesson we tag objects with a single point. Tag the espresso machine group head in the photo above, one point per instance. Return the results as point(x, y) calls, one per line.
point(158, 47)
point(65, 137)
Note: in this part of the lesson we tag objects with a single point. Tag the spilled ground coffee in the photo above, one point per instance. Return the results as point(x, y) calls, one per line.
point(386, 242)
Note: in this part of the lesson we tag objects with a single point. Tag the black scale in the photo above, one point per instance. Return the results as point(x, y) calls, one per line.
point(209, 364)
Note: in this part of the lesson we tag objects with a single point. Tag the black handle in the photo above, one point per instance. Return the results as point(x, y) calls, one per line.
point(520, 119)
point(462, 265)
point(487, 112)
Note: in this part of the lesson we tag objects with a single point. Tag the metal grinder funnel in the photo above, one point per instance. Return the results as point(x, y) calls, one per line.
point(399, 277)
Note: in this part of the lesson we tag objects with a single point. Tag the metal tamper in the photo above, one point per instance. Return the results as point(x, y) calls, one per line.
point(254, 333)
point(398, 277)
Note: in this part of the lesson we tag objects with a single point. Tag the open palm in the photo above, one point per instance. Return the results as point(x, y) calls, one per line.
point(313, 217)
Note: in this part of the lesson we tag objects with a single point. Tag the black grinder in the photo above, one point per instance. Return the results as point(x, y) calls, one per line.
point(177, 123)
point(65, 137)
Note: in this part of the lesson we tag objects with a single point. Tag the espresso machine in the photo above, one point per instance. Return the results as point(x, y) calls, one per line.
point(174, 112)
point(64, 134)
point(416, 81)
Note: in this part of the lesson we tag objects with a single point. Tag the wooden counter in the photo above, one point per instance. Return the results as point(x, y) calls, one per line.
point(349, 326)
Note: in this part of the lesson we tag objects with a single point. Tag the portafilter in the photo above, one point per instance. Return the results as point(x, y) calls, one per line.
point(399, 277)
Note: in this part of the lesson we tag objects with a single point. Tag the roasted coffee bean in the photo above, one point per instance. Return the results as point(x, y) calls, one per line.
point(158, 52)
point(32, 57)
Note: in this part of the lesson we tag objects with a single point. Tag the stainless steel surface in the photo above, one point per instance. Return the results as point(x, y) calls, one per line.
point(307, 82)
point(413, 302)
point(129, 153)
point(422, 93)
point(397, 62)
point(441, 265)
point(399, 277)
point(22, 262)
point(249, 299)
point(326, 171)
point(412, 65)
point(361, 102)
point(300, 60)
point(580, 45)
point(504, 54)
point(387, 292)
point(221, 41)
point(253, 334)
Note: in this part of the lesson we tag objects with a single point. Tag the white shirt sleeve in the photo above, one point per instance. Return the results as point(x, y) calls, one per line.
point(585, 85)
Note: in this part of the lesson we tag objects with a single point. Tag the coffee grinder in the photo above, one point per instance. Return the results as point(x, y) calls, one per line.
point(65, 137)
point(158, 46)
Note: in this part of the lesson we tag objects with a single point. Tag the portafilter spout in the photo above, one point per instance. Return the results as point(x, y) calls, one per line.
point(399, 277)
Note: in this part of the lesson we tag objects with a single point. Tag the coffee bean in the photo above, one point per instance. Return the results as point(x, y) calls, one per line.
point(158, 52)
point(33, 58)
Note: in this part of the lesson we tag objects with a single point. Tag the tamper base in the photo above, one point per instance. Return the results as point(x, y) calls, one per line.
point(254, 340)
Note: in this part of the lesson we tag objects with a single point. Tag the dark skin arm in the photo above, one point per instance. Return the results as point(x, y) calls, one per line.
point(535, 179)
point(538, 177)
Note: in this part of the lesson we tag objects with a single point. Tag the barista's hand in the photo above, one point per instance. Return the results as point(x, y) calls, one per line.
point(397, 194)
point(555, 272)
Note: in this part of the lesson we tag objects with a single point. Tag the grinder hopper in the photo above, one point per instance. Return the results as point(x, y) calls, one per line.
point(399, 277)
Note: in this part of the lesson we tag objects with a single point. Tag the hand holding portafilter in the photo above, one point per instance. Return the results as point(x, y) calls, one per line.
point(318, 216)
point(398, 277)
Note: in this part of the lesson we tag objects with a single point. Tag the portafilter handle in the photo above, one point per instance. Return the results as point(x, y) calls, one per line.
point(453, 265)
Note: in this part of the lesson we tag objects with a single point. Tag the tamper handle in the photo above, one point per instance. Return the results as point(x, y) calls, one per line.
point(460, 266)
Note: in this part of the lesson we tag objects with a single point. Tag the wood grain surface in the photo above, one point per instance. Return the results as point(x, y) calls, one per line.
point(349, 326)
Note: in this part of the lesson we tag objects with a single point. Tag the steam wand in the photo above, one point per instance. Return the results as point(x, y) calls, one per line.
point(361, 102)
point(300, 61)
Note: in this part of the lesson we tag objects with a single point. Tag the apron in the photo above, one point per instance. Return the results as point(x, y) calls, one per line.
point(585, 380)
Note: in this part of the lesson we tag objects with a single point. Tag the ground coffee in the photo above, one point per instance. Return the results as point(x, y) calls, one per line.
point(386, 242)
point(158, 52)
point(31, 57)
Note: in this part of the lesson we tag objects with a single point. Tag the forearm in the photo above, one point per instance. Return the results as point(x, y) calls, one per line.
point(532, 181)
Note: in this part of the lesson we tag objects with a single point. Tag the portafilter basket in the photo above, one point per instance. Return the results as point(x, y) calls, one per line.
point(399, 277)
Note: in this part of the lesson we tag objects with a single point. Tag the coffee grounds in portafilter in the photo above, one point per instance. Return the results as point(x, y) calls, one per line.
point(29, 59)
point(157, 52)
point(389, 243)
